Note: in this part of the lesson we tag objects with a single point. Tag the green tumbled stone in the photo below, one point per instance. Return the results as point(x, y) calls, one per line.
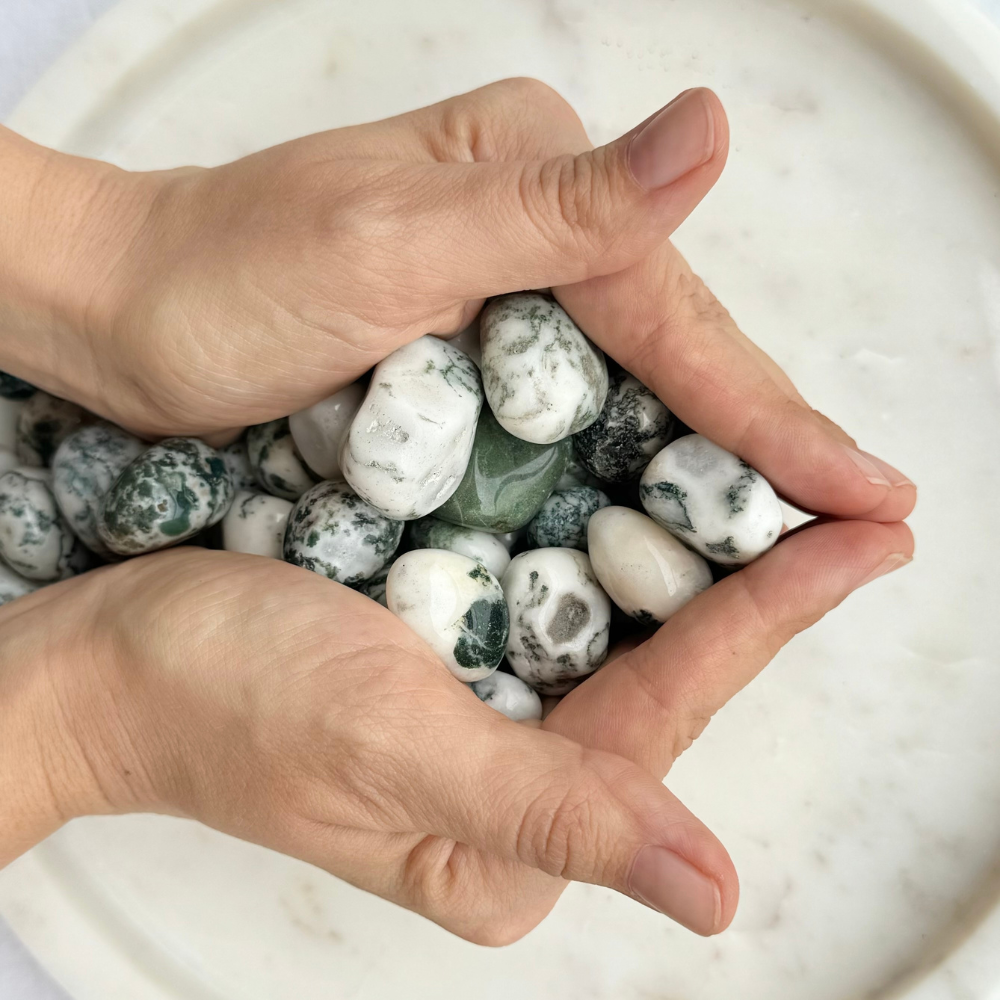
point(507, 479)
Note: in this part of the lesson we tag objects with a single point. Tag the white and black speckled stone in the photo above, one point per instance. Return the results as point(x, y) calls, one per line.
point(510, 696)
point(236, 459)
point(84, 467)
point(712, 500)
point(13, 585)
point(319, 431)
point(255, 524)
point(562, 521)
point(645, 570)
point(43, 424)
point(560, 618)
point(170, 493)
point(633, 426)
point(375, 587)
point(481, 546)
point(333, 532)
point(279, 468)
point(409, 444)
point(12, 387)
point(35, 540)
point(544, 379)
point(455, 605)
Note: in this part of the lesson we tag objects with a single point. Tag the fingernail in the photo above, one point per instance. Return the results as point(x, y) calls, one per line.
point(896, 561)
point(679, 139)
point(666, 882)
point(877, 472)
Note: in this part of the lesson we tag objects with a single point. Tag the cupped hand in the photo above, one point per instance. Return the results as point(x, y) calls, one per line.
point(274, 705)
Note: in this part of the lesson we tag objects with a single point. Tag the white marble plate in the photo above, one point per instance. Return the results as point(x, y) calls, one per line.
point(856, 235)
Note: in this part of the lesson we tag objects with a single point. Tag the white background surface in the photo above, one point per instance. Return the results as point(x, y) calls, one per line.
point(32, 35)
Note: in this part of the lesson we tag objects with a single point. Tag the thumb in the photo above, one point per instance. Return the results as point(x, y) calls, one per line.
point(577, 814)
point(503, 226)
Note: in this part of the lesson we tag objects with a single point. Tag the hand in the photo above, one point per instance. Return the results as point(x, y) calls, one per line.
point(209, 299)
point(273, 705)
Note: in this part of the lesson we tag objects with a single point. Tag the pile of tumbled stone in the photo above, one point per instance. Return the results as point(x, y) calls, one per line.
point(414, 486)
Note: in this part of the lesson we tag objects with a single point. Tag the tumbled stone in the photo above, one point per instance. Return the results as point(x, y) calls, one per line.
point(543, 378)
point(333, 532)
point(84, 467)
point(170, 493)
point(576, 474)
point(409, 443)
point(455, 605)
point(13, 585)
point(12, 387)
point(35, 540)
point(559, 619)
point(236, 459)
point(319, 430)
point(468, 341)
point(44, 423)
point(645, 570)
point(563, 518)
point(632, 427)
point(255, 524)
point(276, 462)
point(712, 500)
point(375, 587)
point(8, 461)
point(481, 546)
point(507, 480)
point(509, 695)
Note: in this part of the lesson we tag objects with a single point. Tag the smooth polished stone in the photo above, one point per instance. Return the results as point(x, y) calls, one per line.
point(633, 426)
point(170, 493)
point(543, 378)
point(84, 467)
point(35, 539)
point(255, 524)
point(236, 458)
point(510, 696)
point(455, 605)
point(431, 533)
point(563, 518)
point(712, 500)
point(409, 444)
point(333, 532)
point(276, 462)
point(44, 423)
point(319, 430)
point(10, 412)
point(375, 587)
point(560, 618)
point(645, 570)
point(468, 341)
point(507, 479)
point(13, 585)
point(12, 387)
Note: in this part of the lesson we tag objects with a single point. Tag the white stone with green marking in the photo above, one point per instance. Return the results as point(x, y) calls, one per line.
point(490, 550)
point(276, 462)
point(510, 696)
point(319, 430)
point(255, 524)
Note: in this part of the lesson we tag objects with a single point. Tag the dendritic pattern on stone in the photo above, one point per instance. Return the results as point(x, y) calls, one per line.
point(12, 387)
point(455, 605)
point(236, 458)
point(13, 585)
point(645, 570)
point(510, 696)
point(276, 462)
point(633, 426)
point(43, 424)
point(559, 619)
point(35, 540)
point(543, 378)
point(319, 430)
point(375, 587)
point(562, 521)
point(170, 493)
point(333, 532)
point(85, 466)
point(409, 443)
point(255, 524)
point(481, 546)
point(712, 500)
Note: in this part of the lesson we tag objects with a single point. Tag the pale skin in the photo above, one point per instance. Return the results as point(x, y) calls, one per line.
point(275, 705)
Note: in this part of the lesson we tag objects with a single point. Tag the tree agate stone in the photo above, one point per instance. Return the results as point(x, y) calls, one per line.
point(507, 479)
point(276, 462)
point(510, 696)
point(167, 495)
point(562, 521)
point(43, 424)
point(483, 547)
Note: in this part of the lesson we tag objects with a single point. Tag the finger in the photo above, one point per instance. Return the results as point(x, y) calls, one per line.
point(534, 797)
point(661, 323)
point(651, 703)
